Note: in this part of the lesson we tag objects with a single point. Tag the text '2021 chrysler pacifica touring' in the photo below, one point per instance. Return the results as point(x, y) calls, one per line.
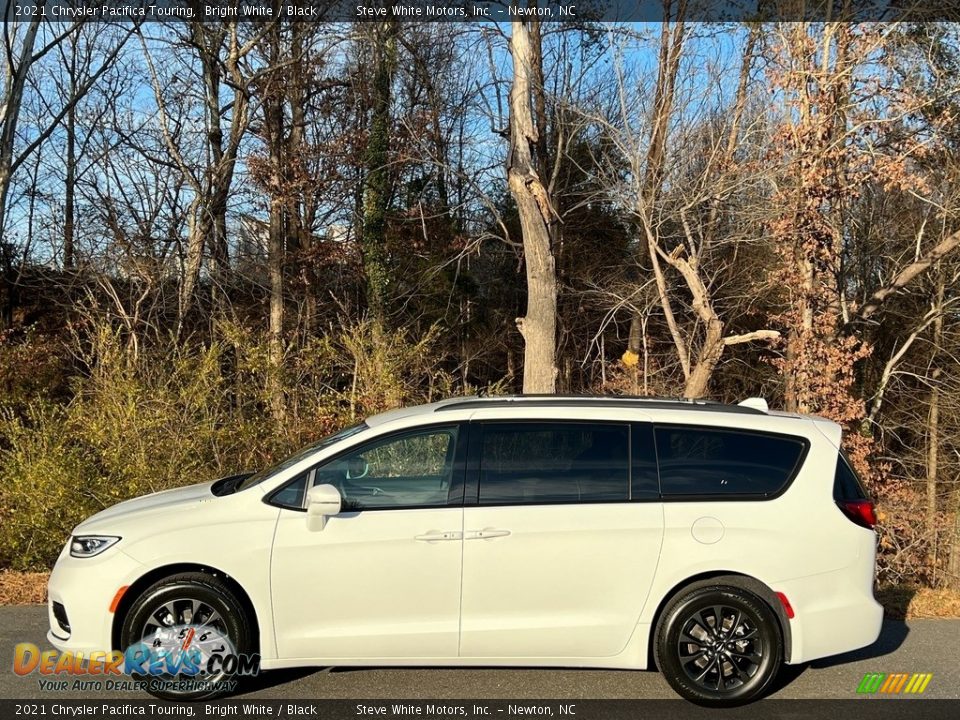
point(716, 541)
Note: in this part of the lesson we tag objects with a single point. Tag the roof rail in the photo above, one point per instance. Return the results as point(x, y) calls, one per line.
point(597, 401)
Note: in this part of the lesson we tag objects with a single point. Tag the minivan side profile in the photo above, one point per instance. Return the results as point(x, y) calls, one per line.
point(714, 542)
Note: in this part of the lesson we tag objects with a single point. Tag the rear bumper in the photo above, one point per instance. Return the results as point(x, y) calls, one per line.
point(835, 611)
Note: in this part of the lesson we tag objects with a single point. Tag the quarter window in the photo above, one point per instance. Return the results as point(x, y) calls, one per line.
point(543, 463)
point(291, 495)
point(713, 462)
point(846, 483)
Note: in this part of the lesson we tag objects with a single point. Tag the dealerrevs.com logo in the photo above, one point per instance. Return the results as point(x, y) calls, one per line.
point(180, 658)
point(894, 683)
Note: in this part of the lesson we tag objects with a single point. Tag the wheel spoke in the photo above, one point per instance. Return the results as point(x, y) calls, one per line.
point(692, 658)
point(752, 657)
point(736, 622)
point(214, 620)
point(710, 665)
point(721, 677)
point(738, 671)
point(705, 623)
point(194, 608)
point(164, 615)
point(718, 619)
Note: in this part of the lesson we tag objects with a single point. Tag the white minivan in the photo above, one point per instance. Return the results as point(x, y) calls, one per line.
point(713, 541)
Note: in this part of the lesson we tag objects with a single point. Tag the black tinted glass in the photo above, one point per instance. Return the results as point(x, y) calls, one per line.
point(698, 461)
point(291, 495)
point(846, 484)
point(553, 463)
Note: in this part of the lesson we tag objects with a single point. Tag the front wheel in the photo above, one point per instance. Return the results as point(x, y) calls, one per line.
point(181, 631)
point(719, 646)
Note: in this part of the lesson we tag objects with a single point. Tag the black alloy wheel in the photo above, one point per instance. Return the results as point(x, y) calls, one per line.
point(719, 646)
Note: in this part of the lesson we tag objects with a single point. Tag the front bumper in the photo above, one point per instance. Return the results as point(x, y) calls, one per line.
point(85, 589)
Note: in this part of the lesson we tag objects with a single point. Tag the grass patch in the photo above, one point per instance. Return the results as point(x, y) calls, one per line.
point(23, 588)
point(904, 602)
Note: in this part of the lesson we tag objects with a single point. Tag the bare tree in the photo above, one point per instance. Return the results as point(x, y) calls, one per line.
point(21, 55)
point(539, 325)
point(221, 51)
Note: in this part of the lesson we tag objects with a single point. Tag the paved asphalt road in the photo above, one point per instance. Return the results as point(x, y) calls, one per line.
point(916, 646)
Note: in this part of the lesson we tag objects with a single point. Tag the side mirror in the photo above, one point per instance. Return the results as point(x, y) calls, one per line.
point(323, 501)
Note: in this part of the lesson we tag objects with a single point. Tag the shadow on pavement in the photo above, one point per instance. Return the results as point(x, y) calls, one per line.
point(271, 678)
point(892, 635)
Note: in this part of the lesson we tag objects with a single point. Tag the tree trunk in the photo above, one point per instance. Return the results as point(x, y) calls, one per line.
point(70, 178)
point(68, 191)
point(301, 213)
point(651, 183)
point(192, 263)
point(9, 117)
point(933, 422)
point(953, 566)
point(273, 112)
point(707, 359)
point(376, 196)
point(539, 326)
point(218, 180)
point(933, 449)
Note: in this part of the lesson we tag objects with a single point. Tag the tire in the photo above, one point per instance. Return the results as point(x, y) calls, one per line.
point(719, 664)
point(195, 600)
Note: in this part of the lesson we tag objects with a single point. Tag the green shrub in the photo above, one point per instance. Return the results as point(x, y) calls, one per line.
point(48, 483)
point(146, 418)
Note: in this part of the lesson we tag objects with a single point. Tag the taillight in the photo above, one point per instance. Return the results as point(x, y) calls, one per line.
point(861, 512)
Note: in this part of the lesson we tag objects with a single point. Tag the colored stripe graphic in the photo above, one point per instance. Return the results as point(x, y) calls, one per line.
point(918, 683)
point(871, 682)
point(895, 683)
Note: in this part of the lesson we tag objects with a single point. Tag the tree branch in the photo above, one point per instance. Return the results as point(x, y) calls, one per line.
point(908, 275)
point(751, 336)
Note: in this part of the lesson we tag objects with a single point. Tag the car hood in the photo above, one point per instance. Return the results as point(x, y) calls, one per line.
point(178, 500)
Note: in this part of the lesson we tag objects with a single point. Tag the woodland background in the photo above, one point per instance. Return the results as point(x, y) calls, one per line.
point(220, 241)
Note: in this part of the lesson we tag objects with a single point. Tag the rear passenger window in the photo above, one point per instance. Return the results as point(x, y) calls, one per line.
point(528, 463)
point(711, 462)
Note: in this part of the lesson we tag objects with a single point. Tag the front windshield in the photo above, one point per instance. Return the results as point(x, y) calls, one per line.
point(329, 440)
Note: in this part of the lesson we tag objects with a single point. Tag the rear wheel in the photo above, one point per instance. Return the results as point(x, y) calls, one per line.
point(719, 646)
point(181, 622)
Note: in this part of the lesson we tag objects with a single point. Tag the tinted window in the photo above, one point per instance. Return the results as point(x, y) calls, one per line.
point(291, 494)
point(700, 461)
point(411, 470)
point(554, 462)
point(846, 484)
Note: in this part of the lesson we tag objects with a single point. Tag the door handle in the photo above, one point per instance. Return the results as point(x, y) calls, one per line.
point(437, 536)
point(486, 534)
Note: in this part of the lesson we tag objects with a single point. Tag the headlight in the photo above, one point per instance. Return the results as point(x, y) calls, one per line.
point(84, 546)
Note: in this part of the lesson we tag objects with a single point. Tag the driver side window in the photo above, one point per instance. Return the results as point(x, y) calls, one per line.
point(410, 470)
